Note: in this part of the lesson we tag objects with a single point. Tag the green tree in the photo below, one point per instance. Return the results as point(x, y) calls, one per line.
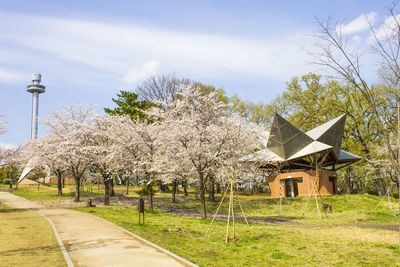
point(128, 104)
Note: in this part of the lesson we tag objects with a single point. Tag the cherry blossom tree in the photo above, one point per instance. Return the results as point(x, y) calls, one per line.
point(71, 126)
point(45, 151)
point(138, 144)
point(106, 156)
point(11, 160)
point(199, 136)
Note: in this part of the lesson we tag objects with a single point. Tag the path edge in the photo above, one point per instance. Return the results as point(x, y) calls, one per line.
point(60, 243)
point(169, 253)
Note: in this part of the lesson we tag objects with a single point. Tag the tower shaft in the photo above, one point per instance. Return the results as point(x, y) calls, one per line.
point(35, 114)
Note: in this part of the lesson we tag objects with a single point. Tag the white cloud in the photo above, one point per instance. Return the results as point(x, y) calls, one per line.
point(147, 70)
point(120, 50)
point(388, 28)
point(8, 146)
point(359, 24)
point(11, 76)
point(356, 39)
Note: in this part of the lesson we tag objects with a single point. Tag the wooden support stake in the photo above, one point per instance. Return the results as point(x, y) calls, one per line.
point(233, 213)
point(280, 197)
point(219, 206)
point(244, 216)
point(308, 200)
point(390, 203)
point(227, 224)
point(317, 188)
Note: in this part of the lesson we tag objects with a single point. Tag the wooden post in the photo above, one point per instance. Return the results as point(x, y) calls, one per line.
point(141, 208)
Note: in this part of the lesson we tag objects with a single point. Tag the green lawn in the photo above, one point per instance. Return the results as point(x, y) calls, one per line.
point(264, 245)
point(346, 208)
point(360, 208)
point(27, 239)
point(47, 191)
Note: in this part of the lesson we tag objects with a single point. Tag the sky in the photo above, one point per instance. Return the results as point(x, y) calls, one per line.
point(87, 51)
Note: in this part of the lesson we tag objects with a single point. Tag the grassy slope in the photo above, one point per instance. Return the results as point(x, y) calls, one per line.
point(264, 246)
point(27, 239)
point(346, 208)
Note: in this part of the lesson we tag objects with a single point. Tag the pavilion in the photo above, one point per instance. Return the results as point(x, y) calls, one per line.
point(305, 163)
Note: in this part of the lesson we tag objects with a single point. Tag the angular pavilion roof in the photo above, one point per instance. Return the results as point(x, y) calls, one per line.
point(287, 143)
point(310, 149)
point(285, 139)
point(330, 133)
point(347, 157)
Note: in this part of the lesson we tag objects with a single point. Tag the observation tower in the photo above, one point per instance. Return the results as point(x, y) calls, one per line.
point(35, 88)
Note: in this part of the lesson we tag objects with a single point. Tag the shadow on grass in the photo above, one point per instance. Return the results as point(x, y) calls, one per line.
point(29, 251)
point(10, 210)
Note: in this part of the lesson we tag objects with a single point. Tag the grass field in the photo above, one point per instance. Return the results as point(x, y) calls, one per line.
point(360, 208)
point(47, 191)
point(27, 239)
point(264, 245)
point(326, 245)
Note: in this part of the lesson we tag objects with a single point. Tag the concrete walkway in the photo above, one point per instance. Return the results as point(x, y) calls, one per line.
point(91, 241)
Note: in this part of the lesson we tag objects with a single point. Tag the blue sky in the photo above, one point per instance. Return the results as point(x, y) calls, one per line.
point(89, 50)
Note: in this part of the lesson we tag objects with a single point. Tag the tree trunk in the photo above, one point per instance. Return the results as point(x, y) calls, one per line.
point(185, 185)
point(174, 186)
point(218, 187)
point(202, 197)
point(59, 185)
point(127, 185)
point(163, 188)
point(59, 182)
point(63, 182)
point(211, 192)
point(77, 187)
point(107, 190)
point(349, 182)
point(150, 194)
point(112, 187)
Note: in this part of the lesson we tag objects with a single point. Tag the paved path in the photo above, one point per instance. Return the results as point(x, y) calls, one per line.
point(91, 241)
